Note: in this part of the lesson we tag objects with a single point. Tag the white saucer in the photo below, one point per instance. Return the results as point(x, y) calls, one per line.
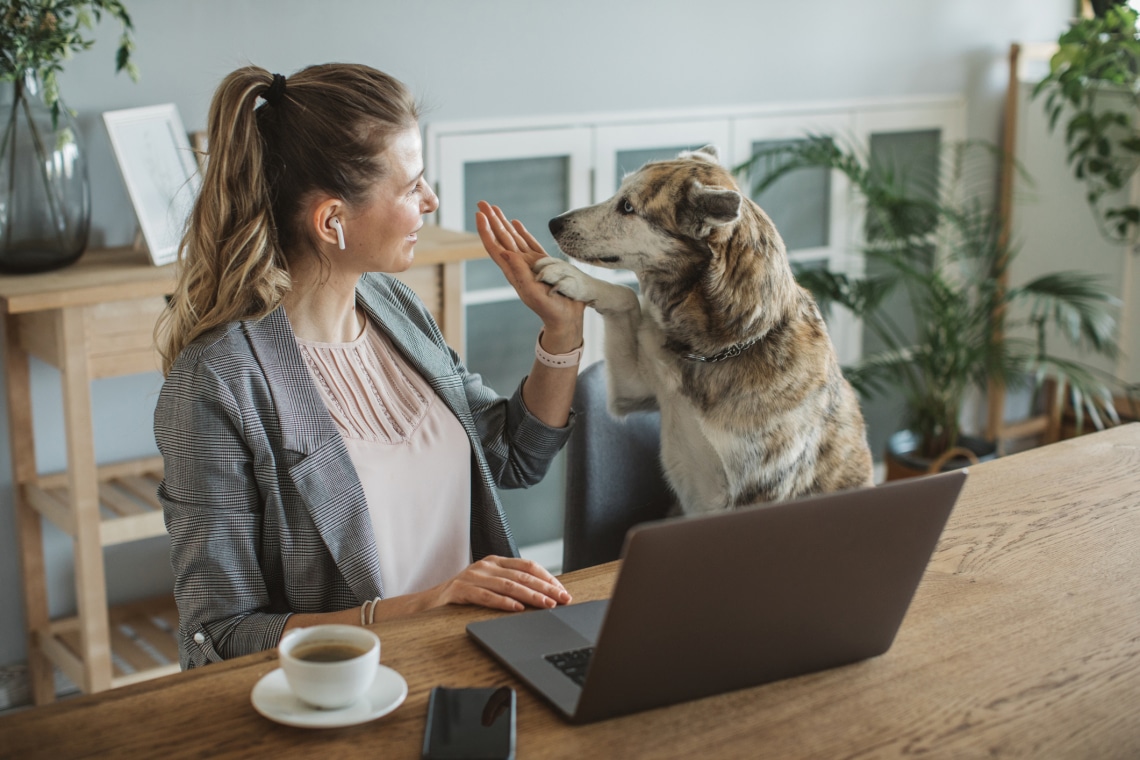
point(273, 698)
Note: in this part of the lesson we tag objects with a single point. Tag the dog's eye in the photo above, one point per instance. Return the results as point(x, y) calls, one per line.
point(626, 206)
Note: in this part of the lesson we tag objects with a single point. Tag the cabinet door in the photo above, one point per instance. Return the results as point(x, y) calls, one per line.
point(907, 141)
point(532, 175)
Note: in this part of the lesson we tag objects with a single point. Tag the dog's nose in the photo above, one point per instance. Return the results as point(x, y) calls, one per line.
point(556, 225)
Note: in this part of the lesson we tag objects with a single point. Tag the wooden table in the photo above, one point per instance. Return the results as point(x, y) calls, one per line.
point(1022, 641)
point(92, 320)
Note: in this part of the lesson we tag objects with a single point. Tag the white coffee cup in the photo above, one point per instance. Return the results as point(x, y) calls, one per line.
point(329, 666)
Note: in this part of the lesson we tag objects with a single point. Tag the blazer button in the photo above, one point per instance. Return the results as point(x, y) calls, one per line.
point(199, 638)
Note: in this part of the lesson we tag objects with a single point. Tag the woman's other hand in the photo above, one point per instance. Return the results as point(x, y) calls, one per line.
point(504, 583)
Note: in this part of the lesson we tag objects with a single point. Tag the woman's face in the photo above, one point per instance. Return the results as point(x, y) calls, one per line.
point(380, 233)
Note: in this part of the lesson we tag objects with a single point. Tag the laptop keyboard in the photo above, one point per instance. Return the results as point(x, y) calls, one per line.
point(574, 663)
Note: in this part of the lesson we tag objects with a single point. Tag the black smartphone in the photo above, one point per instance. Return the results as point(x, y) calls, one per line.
point(470, 724)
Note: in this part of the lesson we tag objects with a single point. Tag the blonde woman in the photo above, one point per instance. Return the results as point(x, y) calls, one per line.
point(328, 459)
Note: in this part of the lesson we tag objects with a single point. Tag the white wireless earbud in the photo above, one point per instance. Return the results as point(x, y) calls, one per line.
point(339, 233)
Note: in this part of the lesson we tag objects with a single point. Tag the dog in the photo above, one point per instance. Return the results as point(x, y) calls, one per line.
point(723, 341)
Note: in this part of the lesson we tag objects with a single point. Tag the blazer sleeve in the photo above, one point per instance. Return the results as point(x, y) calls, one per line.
point(213, 511)
point(518, 446)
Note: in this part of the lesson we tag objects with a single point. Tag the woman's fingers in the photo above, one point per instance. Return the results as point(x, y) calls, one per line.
point(512, 234)
point(528, 238)
point(504, 231)
point(533, 572)
point(534, 578)
point(507, 583)
point(487, 235)
point(523, 580)
point(509, 231)
point(502, 235)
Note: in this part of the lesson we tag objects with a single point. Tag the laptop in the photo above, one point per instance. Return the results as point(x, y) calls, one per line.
point(709, 604)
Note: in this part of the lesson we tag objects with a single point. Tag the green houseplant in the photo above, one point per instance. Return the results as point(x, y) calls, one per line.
point(44, 194)
point(934, 246)
point(1094, 83)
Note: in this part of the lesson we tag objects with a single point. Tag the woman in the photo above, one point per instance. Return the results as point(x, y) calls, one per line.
point(328, 459)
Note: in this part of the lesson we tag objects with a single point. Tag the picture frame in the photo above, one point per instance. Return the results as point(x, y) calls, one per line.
point(161, 173)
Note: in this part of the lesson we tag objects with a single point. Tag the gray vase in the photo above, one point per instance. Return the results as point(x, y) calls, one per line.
point(45, 198)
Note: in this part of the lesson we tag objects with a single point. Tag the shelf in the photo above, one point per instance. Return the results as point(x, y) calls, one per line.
point(144, 642)
point(129, 509)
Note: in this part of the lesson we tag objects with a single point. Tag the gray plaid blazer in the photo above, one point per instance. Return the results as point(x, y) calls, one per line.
point(265, 511)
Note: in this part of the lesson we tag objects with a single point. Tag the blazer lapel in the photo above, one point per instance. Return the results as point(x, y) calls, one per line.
point(322, 472)
point(305, 422)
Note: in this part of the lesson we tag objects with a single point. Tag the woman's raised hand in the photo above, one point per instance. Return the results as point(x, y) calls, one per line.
point(515, 250)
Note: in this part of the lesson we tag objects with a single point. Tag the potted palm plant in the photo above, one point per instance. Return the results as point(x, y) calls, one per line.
point(45, 201)
point(935, 247)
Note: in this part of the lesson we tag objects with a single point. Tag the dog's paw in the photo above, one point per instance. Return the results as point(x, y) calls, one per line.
point(566, 279)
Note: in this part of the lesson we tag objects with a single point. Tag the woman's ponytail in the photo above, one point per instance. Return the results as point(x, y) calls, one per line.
point(231, 266)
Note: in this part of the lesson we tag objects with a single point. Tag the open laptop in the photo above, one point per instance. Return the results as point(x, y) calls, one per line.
point(709, 604)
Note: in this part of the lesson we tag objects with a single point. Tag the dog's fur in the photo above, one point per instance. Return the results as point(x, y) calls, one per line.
point(774, 422)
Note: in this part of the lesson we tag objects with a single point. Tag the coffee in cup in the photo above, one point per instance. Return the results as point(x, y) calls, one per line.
point(329, 666)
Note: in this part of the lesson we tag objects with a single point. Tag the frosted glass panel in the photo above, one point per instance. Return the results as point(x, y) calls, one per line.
point(911, 161)
point(533, 190)
point(799, 203)
point(631, 160)
point(500, 347)
point(912, 155)
point(912, 158)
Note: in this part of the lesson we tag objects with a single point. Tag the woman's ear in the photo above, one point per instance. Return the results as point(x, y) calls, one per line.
point(327, 220)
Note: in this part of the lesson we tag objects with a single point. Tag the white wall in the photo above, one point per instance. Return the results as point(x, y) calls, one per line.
point(482, 58)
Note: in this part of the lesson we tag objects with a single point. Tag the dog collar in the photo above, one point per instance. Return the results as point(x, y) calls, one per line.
point(727, 353)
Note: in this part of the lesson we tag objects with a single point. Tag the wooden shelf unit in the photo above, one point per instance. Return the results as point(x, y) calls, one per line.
point(143, 638)
point(92, 320)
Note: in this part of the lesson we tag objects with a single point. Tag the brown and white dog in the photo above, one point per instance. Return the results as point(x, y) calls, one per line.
point(723, 341)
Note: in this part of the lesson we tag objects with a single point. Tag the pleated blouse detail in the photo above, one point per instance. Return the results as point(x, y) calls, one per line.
point(409, 450)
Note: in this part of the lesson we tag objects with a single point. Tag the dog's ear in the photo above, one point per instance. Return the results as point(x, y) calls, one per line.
point(714, 206)
point(707, 153)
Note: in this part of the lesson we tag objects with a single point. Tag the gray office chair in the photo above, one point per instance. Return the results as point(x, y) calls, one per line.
point(613, 475)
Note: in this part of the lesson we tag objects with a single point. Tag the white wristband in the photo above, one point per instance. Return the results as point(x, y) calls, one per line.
point(558, 361)
point(368, 611)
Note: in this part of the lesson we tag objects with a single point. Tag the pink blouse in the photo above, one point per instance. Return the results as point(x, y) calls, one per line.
point(410, 452)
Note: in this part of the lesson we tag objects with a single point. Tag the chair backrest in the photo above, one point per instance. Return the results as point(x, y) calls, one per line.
point(613, 475)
